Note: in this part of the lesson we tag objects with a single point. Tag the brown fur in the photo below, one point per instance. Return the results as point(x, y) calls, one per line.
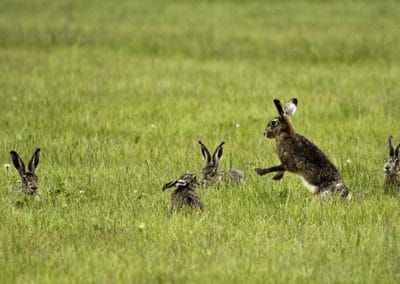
point(299, 155)
point(185, 195)
point(29, 180)
point(210, 173)
point(391, 167)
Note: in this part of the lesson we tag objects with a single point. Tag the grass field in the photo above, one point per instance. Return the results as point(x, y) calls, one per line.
point(117, 94)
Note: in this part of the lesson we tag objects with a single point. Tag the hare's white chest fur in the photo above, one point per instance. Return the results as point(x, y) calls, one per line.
point(311, 188)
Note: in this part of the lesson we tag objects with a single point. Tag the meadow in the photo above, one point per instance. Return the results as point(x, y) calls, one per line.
point(117, 95)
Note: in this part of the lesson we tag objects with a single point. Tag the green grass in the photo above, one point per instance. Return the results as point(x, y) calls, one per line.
point(117, 94)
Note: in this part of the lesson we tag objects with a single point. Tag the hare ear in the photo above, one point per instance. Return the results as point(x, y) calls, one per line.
point(290, 107)
point(391, 147)
point(217, 156)
point(178, 182)
point(397, 152)
point(34, 162)
point(168, 185)
point(278, 106)
point(205, 152)
point(18, 163)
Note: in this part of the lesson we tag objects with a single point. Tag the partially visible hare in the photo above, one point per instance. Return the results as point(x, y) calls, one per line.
point(185, 194)
point(29, 180)
point(210, 171)
point(391, 166)
point(299, 155)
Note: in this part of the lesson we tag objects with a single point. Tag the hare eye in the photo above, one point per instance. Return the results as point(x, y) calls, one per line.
point(273, 123)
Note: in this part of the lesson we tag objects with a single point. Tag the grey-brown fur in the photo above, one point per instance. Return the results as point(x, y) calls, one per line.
point(29, 180)
point(299, 155)
point(391, 166)
point(185, 195)
point(210, 173)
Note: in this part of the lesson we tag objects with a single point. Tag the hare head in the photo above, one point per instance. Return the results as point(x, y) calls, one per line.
point(281, 124)
point(29, 180)
point(184, 181)
point(210, 169)
point(185, 195)
point(391, 164)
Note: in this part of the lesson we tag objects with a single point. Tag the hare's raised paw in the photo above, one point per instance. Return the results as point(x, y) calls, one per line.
point(278, 176)
point(261, 171)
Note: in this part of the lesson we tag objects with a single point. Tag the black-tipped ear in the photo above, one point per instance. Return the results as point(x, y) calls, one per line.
point(205, 153)
point(278, 106)
point(18, 164)
point(168, 185)
point(178, 182)
point(217, 156)
point(34, 162)
point(391, 146)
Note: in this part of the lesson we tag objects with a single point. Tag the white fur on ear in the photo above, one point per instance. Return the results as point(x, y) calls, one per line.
point(290, 107)
point(180, 182)
point(218, 152)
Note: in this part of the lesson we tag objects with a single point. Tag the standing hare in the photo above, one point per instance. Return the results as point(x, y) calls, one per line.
point(185, 194)
point(391, 166)
point(29, 180)
point(301, 156)
point(210, 171)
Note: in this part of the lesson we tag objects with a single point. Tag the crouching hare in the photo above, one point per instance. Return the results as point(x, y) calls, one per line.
point(185, 195)
point(301, 156)
point(210, 171)
point(29, 180)
point(391, 167)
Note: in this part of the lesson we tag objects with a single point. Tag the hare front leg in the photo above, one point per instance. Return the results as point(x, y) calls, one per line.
point(278, 175)
point(280, 169)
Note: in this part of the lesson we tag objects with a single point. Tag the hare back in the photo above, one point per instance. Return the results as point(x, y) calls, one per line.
point(185, 198)
point(299, 155)
point(230, 176)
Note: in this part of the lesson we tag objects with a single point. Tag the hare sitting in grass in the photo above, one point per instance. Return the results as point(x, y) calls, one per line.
point(299, 155)
point(29, 180)
point(210, 171)
point(185, 195)
point(391, 166)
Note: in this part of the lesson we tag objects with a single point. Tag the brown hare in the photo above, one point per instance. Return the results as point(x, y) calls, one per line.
point(185, 195)
point(29, 180)
point(391, 167)
point(210, 171)
point(301, 156)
